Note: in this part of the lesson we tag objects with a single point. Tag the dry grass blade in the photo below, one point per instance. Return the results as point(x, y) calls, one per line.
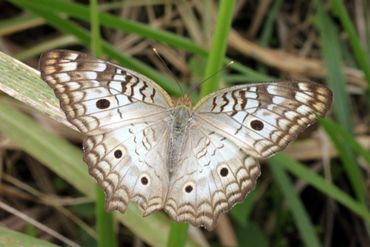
point(288, 62)
point(37, 224)
point(32, 91)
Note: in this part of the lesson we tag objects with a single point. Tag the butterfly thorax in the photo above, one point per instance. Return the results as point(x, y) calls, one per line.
point(179, 124)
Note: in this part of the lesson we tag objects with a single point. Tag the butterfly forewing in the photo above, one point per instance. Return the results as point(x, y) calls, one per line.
point(98, 96)
point(263, 118)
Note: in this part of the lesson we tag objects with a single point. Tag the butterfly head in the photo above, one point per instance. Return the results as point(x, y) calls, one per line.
point(184, 101)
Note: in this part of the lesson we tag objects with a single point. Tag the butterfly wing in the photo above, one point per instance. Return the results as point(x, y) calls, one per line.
point(213, 174)
point(128, 162)
point(98, 96)
point(263, 118)
point(123, 116)
point(231, 129)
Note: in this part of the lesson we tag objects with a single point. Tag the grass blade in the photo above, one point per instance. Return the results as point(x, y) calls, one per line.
point(338, 136)
point(331, 53)
point(18, 127)
point(178, 234)
point(303, 222)
point(359, 51)
point(104, 220)
point(12, 238)
point(95, 29)
point(241, 212)
point(321, 184)
point(332, 59)
point(218, 48)
point(47, 45)
point(9, 26)
point(267, 29)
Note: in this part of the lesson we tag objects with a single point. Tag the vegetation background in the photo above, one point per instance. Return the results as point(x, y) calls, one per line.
point(315, 193)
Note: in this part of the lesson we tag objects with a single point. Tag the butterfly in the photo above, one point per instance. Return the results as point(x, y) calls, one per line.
point(195, 162)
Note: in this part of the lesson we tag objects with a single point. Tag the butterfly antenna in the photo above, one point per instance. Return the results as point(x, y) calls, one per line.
point(167, 68)
point(218, 71)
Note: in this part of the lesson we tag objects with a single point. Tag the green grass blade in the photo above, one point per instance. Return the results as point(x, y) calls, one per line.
point(359, 51)
point(218, 48)
point(13, 238)
point(302, 220)
point(252, 74)
point(178, 234)
point(338, 136)
point(104, 220)
point(95, 29)
point(321, 184)
point(267, 29)
point(331, 53)
point(240, 213)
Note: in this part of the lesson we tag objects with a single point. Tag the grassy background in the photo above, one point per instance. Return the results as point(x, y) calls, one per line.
point(314, 194)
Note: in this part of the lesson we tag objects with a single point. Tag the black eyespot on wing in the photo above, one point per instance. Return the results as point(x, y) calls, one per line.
point(188, 189)
point(257, 125)
point(103, 103)
point(118, 154)
point(144, 180)
point(224, 171)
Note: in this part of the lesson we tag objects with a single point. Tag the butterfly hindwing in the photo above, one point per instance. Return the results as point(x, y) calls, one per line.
point(129, 164)
point(213, 174)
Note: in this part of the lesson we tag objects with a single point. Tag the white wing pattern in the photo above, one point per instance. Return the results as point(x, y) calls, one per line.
point(194, 163)
point(98, 96)
point(214, 175)
point(123, 115)
point(263, 118)
point(122, 162)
